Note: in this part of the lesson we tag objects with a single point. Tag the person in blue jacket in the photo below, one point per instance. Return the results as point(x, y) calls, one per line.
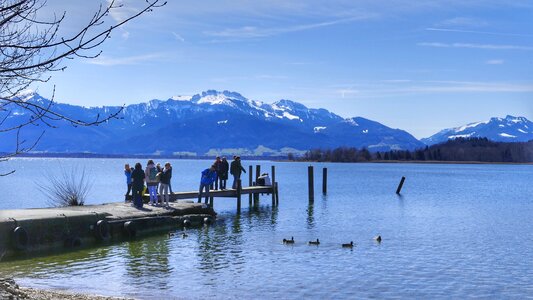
point(208, 177)
point(127, 172)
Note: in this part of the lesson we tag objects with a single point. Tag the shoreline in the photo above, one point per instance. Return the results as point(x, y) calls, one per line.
point(429, 162)
point(276, 159)
point(9, 289)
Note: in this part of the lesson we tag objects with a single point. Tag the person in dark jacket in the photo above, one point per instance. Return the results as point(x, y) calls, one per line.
point(208, 177)
point(223, 173)
point(218, 168)
point(164, 184)
point(137, 182)
point(236, 170)
point(170, 179)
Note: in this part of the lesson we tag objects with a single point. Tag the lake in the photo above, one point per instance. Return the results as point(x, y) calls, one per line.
point(457, 231)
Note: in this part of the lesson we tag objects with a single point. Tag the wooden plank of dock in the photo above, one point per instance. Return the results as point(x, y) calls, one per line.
point(228, 193)
point(222, 193)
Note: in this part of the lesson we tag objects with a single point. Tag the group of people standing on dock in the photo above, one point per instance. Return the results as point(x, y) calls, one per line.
point(157, 177)
point(219, 171)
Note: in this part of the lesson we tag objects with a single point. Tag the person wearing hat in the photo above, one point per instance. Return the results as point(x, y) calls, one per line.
point(236, 170)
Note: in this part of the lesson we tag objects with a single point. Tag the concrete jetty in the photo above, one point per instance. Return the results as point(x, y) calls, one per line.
point(39, 230)
point(42, 229)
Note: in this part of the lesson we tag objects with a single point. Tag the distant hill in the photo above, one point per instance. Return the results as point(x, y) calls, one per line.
point(508, 129)
point(454, 150)
point(213, 122)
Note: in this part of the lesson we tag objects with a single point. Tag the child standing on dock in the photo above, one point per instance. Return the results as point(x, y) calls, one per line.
point(208, 177)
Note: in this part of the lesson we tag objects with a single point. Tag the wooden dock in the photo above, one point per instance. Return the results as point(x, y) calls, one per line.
point(254, 192)
point(227, 193)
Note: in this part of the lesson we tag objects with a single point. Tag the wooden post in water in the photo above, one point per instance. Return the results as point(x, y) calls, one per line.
point(277, 194)
point(399, 189)
point(311, 184)
point(273, 180)
point(239, 188)
point(210, 197)
point(257, 174)
point(325, 181)
point(250, 183)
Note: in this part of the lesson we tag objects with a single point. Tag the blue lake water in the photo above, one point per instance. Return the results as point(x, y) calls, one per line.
point(457, 231)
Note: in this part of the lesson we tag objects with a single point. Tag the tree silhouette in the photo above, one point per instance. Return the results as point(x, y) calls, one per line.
point(31, 49)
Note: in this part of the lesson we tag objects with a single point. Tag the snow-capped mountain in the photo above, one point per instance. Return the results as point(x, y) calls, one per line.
point(508, 129)
point(207, 123)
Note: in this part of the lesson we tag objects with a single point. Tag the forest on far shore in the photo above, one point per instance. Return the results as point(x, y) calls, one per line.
point(460, 149)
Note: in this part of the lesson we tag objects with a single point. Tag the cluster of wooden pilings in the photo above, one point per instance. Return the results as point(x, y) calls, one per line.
point(253, 191)
point(311, 183)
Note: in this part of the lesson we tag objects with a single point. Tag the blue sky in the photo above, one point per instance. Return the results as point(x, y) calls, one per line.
point(416, 65)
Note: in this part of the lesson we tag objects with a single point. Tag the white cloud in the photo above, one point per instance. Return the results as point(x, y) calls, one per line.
point(386, 89)
point(347, 92)
point(120, 12)
point(478, 32)
point(463, 22)
point(257, 32)
point(273, 77)
point(125, 34)
point(178, 37)
point(474, 46)
point(129, 60)
point(247, 78)
point(494, 62)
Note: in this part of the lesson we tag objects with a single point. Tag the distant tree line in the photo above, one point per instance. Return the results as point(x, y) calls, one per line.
point(460, 149)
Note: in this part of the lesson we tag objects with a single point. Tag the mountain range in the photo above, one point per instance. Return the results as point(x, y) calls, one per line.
point(508, 129)
point(221, 122)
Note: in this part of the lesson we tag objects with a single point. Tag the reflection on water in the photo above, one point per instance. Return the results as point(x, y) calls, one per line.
point(455, 232)
point(310, 217)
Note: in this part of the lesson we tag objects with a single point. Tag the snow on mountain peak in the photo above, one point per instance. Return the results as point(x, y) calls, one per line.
point(154, 104)
point(26, 94)
point(471, 125)
point(510, 128)
point(351, 121)
point(513, 119)
point(214, 97)
point(289, 105)
point(181, 98)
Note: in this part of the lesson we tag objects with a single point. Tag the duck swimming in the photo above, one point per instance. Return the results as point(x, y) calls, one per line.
point(378, 238)
point(350, 245)
point(286, 241)
point(317, 242)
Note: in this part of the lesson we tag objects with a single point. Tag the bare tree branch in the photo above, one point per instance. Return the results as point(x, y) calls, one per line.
point(31, 49)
